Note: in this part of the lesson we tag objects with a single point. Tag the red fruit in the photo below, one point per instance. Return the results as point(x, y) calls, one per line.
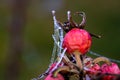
point(94, 69)
point(77, 40)
point(50, 77)
point(112, 69)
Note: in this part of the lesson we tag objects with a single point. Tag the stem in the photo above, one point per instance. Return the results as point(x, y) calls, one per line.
point(64, 68)
point(78, 60)
point(70, 64)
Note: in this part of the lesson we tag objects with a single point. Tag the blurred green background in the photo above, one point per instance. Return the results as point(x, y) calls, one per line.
point(103, 18)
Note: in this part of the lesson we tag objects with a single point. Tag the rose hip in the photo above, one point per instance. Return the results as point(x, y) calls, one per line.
point(77, 40)
point(58, 77)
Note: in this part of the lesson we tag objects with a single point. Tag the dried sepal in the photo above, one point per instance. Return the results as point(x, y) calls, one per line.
point(103, 59)
point(64, 68)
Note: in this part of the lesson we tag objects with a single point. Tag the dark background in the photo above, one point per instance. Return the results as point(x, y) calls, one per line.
point(26, 27)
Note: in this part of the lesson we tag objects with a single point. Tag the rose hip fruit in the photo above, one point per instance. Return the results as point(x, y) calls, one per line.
point(77, 40)
point(58, 77)
point(112, 69)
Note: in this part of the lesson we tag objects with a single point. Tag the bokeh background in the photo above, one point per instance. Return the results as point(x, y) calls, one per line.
point(26, 27)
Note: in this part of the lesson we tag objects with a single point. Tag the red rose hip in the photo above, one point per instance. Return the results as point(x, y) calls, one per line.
point(50, 77)
point(77, 40)
point(112, 69)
